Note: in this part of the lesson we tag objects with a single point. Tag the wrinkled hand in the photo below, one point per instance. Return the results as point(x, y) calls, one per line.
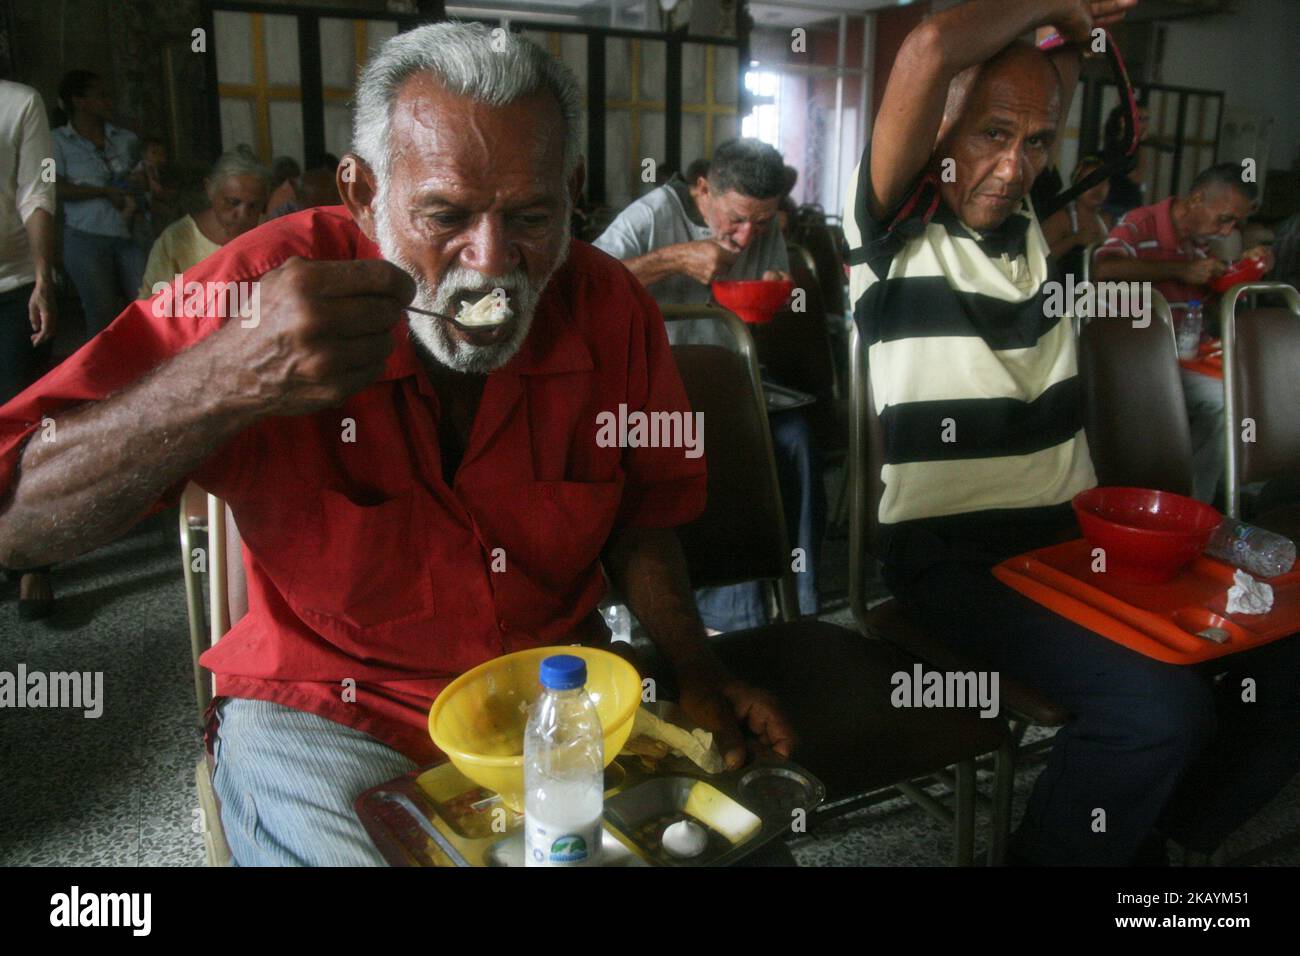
point(727, 707)
point(1201, 271)
point(706, 259)
point(323, 332)
point(1263, 253)
point(41, 313)
point(776, 275)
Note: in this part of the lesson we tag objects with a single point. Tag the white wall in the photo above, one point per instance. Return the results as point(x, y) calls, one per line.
point(1252, 55)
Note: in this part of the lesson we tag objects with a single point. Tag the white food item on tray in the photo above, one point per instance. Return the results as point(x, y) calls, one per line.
point(1248, 596)
point(685, 839)
point(492, 309)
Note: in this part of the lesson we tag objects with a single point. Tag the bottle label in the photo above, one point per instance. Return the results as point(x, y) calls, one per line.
point(548, 845)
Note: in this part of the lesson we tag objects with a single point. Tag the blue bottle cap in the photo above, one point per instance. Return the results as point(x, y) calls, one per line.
point(563, 672)
point(1193, 302)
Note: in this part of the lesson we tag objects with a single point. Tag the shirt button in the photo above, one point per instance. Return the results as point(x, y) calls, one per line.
point(501, 623)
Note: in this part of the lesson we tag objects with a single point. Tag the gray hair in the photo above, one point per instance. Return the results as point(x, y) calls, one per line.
point(494, 66)
point(1224, 174)
point(237, 162)
point(749, 167)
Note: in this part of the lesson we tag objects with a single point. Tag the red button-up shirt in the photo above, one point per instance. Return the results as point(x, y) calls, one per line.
point(363, 565)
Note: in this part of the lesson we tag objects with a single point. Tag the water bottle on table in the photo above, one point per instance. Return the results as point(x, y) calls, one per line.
point(1190, 327)
point(1261, 553)
point(564, 769)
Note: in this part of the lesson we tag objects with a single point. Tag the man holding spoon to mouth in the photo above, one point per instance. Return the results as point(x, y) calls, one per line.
point(415, 474)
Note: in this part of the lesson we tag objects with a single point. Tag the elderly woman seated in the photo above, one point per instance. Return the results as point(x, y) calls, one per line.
point(237, 189)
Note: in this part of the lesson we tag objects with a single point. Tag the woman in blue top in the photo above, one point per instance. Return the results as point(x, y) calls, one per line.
point(93, 159)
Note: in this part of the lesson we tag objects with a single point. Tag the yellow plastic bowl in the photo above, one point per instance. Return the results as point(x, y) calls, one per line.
point(478, 720)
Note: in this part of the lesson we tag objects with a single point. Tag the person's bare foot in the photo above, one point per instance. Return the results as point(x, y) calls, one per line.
point(35, 596)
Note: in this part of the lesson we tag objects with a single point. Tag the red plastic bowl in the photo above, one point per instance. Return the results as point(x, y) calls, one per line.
point(1243, 270)
point(1148, 536)
point(755, 300)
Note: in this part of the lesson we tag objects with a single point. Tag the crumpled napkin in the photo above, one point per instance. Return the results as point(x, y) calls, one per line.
point(1248, 596)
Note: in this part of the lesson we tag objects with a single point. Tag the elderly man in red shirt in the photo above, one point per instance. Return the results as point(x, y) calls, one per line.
point(416, 494)
point(1166, 244)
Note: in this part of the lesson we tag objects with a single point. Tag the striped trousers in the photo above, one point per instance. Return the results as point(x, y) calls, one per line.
point(286, 780)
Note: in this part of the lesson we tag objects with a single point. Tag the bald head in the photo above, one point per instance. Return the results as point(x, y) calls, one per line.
point(999, 126)
point(1020, 63)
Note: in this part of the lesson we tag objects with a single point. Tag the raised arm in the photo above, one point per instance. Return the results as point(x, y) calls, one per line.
point(324, 332)
point(912, 111)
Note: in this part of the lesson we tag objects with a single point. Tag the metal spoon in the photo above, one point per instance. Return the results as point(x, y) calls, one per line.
point(436, 315)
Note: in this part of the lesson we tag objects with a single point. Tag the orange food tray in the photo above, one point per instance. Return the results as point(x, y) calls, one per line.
point(1158, 620)
point(1209, 361)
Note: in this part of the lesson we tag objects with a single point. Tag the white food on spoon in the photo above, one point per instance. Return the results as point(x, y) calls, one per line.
point(492, 309)
point(685, 839)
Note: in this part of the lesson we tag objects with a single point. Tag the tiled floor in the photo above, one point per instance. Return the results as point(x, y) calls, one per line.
point(120, 789)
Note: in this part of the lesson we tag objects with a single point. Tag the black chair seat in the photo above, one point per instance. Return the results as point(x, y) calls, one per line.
point(888, 622)
point(835, 686)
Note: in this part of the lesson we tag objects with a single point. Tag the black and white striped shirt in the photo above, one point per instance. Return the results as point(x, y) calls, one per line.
point(975, 384)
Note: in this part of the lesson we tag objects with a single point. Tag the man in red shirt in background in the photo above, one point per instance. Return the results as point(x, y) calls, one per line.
point(416, 495)
point(1165, 244)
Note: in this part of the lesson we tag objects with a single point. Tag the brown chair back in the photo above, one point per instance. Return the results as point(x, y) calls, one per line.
point(1261, 356)
point(742, 535)
point(1267, 386)
point(1133, 408)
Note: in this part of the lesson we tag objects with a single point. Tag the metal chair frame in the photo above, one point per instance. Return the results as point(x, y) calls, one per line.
point(216, 849)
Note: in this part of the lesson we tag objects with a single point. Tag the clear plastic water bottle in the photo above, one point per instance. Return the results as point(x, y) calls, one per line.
point(619, 622)
point(1261, 553)
point(1190, 327)
point(564, 770)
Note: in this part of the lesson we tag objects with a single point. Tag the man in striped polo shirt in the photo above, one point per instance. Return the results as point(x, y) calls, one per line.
point(975, 383)
point(1165, 244)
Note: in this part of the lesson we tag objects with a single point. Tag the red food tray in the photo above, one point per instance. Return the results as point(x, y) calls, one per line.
point(1158, 620)
point(1209, 361)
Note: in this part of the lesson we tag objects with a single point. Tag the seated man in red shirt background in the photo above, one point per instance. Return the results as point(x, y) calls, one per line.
point(415, 495)
point(1165, 244)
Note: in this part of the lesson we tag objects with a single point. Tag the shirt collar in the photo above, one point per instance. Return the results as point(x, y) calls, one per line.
point(69, 132)
point(682, 190)
point(1008, 238)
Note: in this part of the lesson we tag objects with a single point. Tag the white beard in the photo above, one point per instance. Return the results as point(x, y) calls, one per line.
point(432, 334)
